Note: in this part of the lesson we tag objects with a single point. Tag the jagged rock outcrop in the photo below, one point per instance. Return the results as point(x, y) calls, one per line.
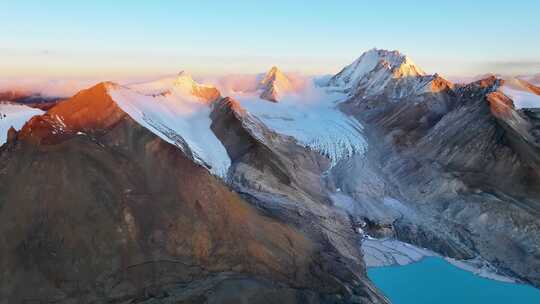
point(11, 135)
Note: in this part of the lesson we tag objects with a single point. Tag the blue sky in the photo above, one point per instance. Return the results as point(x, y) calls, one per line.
point(130, 38)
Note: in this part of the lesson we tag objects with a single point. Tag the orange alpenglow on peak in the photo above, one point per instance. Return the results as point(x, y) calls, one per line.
point(90, 110)
point(181, 84)
point(439, 84)
point(274, 84)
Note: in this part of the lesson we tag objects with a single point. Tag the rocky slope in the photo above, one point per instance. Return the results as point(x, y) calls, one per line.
point(118, 213)
point(452, 169)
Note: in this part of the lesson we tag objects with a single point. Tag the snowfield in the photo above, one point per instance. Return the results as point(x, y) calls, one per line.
point(14, 115)
point(312, 118)
point(177, 117)
point(310, 115)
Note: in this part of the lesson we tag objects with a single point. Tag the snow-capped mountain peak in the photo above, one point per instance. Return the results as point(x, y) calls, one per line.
point(175, 113)
point(406, 68)
point(184, 79)
point(182, 85)
point(273, 84)
point(375, 64)
point(277, 77)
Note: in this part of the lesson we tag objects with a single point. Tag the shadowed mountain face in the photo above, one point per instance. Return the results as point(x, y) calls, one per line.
point(117, 214)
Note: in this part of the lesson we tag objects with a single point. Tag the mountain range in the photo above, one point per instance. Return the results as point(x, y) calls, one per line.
point(169, 192)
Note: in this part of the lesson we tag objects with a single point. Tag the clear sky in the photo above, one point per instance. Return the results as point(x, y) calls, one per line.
point(130, 38)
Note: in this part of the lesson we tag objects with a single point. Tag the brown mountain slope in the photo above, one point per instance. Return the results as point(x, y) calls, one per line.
point(115, 214)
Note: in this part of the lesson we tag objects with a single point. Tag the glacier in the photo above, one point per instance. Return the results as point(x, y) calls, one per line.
point(312, 117)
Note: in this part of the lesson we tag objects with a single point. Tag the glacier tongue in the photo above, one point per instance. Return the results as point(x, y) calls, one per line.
point(14, 115)
point(310, 116)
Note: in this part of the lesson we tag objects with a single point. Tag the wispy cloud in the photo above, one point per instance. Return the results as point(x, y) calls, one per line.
point(26, 52)
point(512, 67)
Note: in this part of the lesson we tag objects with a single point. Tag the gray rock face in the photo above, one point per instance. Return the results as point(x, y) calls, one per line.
point(284, 180)
point(463, 165)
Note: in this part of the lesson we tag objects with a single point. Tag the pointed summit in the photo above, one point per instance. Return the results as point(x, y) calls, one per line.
point(274, 84)
point(181, 84)
point(90, 110)
point(184, 73)
point(184, 78)
point(375, 64)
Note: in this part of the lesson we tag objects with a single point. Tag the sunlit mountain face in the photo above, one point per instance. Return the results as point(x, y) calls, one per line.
point(266, 153)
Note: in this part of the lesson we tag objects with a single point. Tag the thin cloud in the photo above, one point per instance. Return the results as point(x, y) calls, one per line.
point(513, 67)
point(26, 52)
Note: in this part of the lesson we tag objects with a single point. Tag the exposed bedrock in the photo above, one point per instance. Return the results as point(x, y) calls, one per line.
point(454, 172)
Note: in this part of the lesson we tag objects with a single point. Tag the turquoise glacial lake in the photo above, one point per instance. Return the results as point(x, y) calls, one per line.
point(435, 281)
